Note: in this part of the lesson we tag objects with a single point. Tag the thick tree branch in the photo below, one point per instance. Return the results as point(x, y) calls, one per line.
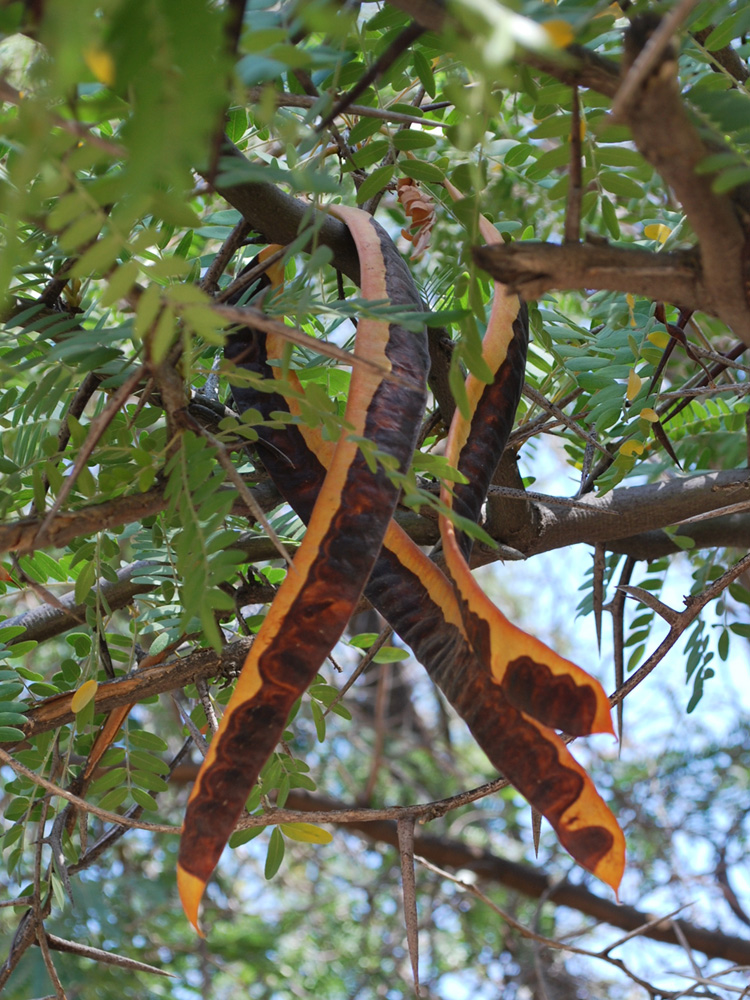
point(669, 141)
point(531, 269)
point(625, 520)
point(626, 512)
point(727, 531)
point(280, 218)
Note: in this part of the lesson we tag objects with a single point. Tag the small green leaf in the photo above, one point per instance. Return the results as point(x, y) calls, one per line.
point(85, 582)
point(114, 799)
point(409, 139)
point(243, 836)
point(378, 179)
point(423, 70)
point(143, 799)
point(111, 779)
point(390, 654)
point(364, 640)
point(147, 741)
point(275, 854)
point(120, 283)
point(319, 720)
point(419, 170)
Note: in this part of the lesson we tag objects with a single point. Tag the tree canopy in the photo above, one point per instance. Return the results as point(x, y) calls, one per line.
point(149, 151)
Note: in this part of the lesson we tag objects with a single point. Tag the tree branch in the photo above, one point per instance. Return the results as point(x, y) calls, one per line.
point(279, 217)
point(535, 883)
point(531, 269)
point(669, 141)
point(49, 620)
point(202, 663)
point(21, 535)
point(575, 65)
point(632, 511)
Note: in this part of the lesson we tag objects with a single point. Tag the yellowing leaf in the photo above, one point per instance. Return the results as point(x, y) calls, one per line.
point(631, 448)
point(657, 231)
point(630, 299)
point(83, 695)
point(101, 64)
point(648, 414)
point(659, 338)
point(634, 385)
point(306, 833)
point(560, 33)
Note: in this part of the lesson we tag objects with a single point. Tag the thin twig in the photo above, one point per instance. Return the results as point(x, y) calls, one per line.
point(379, 726)
point(359, 110)
point(617, 610)
point(247, 316)
point(84, 132)
point(209, 281)
point(386, 58)
point(63, 793)
point(536, 397)
point(575, 191)
point(707, 390)
point(237, 481)
point(364, 663)
point(104, 957)
point(695, 605)
point(97, 427)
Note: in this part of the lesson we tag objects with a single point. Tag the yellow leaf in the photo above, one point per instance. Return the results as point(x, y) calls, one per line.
point(101, 64)
point(630, 299)
point(659, 338)
point(634, 385)
point(83, 695)
point(631, 448)
point(648, 414)
point(581, 131)
point(560, 33)
point(307, 833)
point(657, 231)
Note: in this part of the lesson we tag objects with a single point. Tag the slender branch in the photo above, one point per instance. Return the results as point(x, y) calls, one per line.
point(56, 711)
point(97, 427)
point(534, 883)
point(63, 793)
point(76, 128)
point(360, 110)
point(23, 535)
point(575, 193)
point(49, 620)
point(104, 957)
point(695, 605)
point(248, 316)
point(386, 59)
